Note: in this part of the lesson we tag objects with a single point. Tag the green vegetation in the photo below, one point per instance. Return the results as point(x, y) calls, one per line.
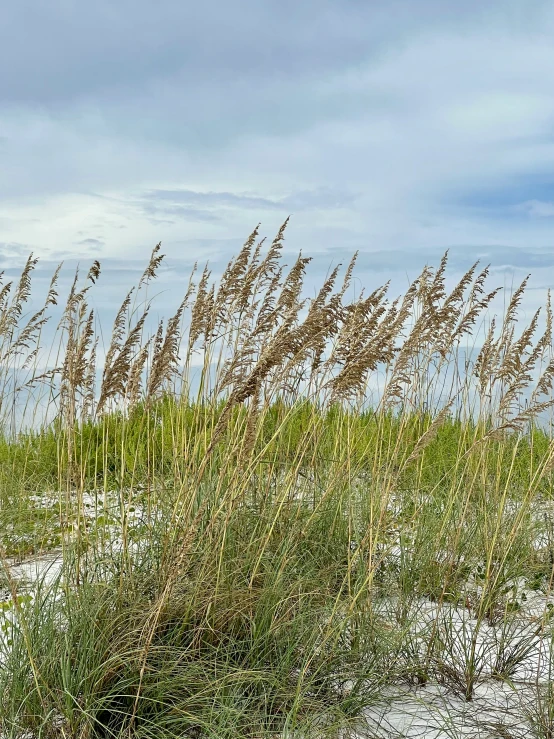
point(269, 555)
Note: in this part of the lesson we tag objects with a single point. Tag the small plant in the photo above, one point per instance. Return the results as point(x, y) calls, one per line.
point(515, 642)
point(539, 711)
point(459, 655)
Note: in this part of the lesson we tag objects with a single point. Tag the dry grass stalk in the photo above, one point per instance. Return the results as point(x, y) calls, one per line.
point(255, 314)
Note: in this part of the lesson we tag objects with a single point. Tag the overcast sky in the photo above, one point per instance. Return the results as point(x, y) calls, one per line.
point(398, 128)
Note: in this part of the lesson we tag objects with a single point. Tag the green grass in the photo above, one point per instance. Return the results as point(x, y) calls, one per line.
point(261, 561)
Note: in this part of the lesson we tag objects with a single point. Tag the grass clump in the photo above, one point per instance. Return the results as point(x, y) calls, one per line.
point(266, 554)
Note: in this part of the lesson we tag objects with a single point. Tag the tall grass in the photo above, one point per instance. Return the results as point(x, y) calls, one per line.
point(291, 535)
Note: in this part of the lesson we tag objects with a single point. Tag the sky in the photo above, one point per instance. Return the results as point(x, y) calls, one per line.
point(399, 129)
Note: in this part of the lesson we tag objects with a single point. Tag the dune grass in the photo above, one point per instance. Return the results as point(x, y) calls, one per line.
point(269, 554)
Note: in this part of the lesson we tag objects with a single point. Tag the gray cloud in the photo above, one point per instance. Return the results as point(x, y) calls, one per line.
point(390, 129)
point(537, 208)
point(75, 50)
point(460, 258)
point(12, 255)
point(90, 242)
point(170, 213)
point(206, 206)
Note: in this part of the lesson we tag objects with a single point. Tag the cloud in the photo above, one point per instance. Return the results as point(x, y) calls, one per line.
point(212, 44)
point(207, 206)
point(537, 208)
point(399, 130)
point(13, 255)
point(460, 258)
point(170, 213)
point(92, 244)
